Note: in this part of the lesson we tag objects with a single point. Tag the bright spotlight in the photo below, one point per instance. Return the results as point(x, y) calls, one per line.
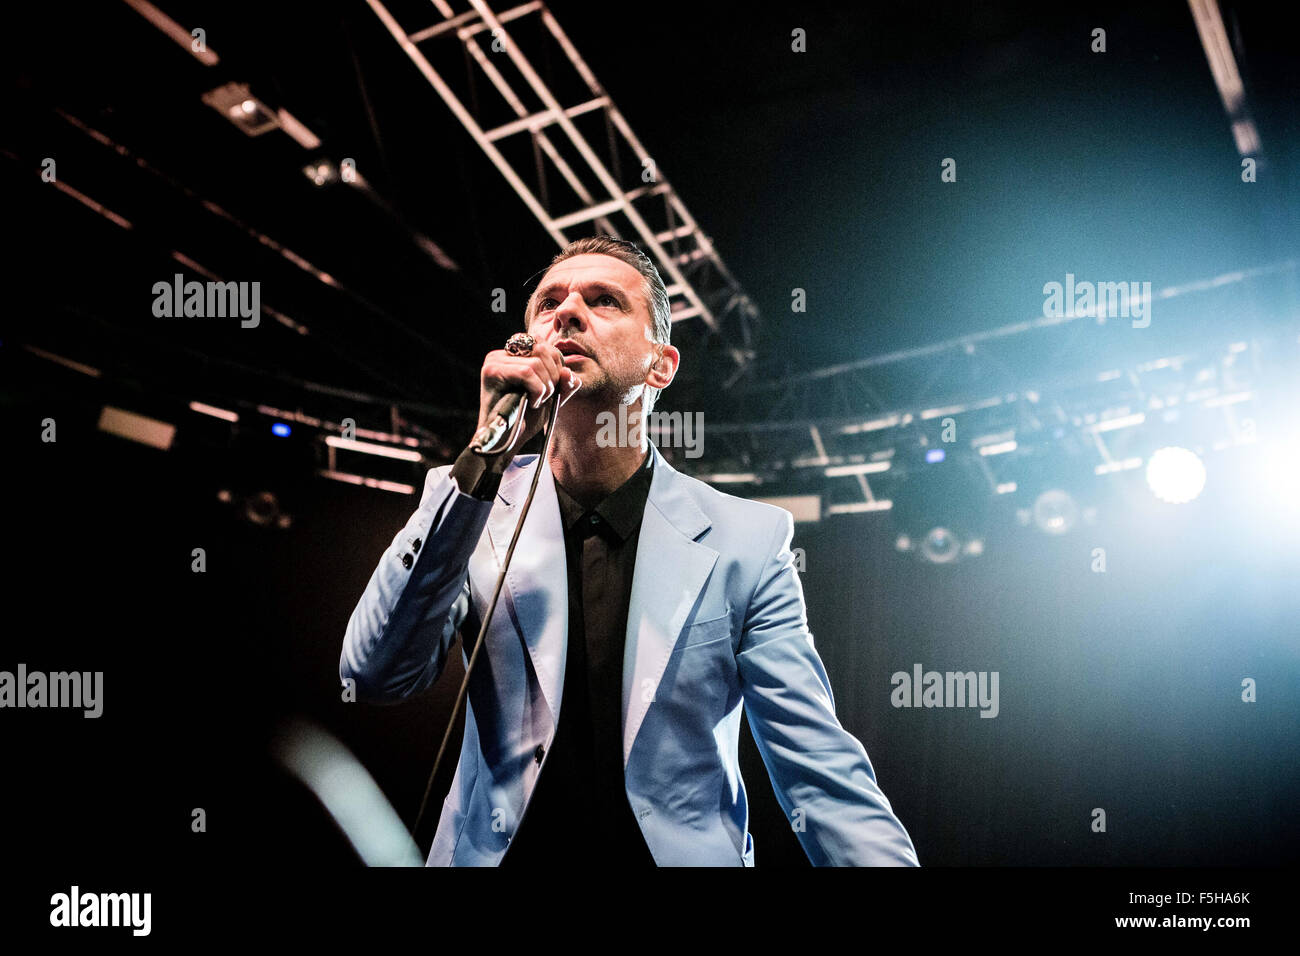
point(1175, 475)
point(940, 546)
point(320, 172)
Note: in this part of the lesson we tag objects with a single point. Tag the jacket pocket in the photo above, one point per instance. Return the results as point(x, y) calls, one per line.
point(706, 632)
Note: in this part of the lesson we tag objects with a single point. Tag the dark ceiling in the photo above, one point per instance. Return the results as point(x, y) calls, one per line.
point(815, 170)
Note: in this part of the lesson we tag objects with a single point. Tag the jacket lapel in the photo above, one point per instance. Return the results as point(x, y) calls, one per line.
point(671, 570)
point(537, 582)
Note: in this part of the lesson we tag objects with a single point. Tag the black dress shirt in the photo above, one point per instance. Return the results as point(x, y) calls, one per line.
point(579, 812)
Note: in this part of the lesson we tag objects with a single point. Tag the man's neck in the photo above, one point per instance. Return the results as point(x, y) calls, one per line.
point(581, 466)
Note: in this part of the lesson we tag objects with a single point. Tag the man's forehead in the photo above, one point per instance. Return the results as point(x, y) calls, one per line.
point(593, 266)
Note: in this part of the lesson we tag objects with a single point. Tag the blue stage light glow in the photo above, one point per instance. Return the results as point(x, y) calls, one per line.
point(934, 455)
point(280, 429)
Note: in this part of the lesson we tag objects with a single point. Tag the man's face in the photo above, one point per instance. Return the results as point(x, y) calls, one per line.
point(594, 306)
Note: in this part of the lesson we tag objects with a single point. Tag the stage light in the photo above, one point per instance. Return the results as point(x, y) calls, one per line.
point(263, 509)
point(236, 103)
point(369, 448)
point(280, 430)
point(1124, 421)
point(1055, 512)
point(731, 478)
point(1000, 448)
point(935, 455)
point(215, 412)
point(865, 468)
point(1110, 467)
point(859, 507)
point(320, 172)
point(367, 481)
point(876, 424)
point(940, 546)
point(141, 428)
point(1175, 475)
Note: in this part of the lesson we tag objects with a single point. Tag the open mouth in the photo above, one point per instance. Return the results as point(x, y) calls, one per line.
point(570, 350)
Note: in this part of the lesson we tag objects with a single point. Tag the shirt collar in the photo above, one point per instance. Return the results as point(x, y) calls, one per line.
point(621, 509)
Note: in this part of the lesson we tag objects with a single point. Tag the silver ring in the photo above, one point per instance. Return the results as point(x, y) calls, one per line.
point(521, 343)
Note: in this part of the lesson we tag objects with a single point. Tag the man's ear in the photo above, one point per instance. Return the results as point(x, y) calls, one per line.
point(664, 368)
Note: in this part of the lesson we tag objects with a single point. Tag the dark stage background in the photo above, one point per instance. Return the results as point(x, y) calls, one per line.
point(813, 174)
point(1118, 690)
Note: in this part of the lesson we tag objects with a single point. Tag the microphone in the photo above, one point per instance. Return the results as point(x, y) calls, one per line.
point(504, 427)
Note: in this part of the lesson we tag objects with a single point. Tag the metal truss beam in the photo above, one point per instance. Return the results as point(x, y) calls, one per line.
point(699, 283)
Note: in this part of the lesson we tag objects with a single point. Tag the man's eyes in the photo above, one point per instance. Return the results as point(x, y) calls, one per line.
point(548, 303)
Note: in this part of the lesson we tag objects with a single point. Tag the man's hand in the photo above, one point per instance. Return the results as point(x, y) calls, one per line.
point(537, 375)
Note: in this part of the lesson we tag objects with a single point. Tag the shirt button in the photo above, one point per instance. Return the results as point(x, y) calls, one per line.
point(539, 753)
point(595, 519)
point(415, 545)
point(407, 561)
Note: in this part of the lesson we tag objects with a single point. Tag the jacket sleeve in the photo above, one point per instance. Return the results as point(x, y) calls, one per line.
point(400, 631)
point(821, 774)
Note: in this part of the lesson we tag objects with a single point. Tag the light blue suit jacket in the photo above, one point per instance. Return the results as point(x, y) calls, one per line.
point(716, 620)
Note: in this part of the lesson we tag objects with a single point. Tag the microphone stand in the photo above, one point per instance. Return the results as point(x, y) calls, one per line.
point(542, 460)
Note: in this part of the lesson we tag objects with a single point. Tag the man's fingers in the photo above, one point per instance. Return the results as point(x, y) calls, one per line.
point(538, 376)
point(553, 357)
point(513, 370)
point(539, 388)
point(571, 385)
point(545, 371)
point(549, 370)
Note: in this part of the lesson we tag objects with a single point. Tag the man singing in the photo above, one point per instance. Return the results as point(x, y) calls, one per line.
point(640, 610)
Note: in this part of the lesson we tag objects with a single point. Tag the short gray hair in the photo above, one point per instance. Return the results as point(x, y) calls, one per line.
point(653, 288)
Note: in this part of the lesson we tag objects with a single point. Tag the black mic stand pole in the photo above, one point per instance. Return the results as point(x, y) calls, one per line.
point(542, 461)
